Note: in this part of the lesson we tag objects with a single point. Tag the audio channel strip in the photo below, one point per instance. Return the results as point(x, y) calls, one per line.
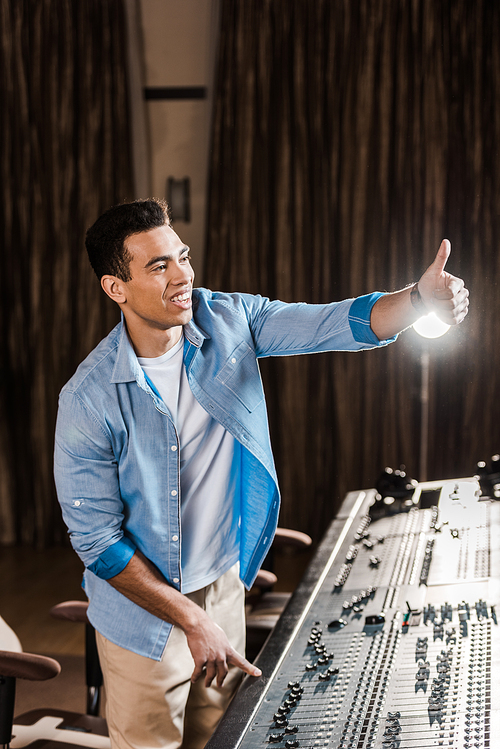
point(392, 639)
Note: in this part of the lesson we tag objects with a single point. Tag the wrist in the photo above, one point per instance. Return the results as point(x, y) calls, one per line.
point(416, 300)
point(192, 618)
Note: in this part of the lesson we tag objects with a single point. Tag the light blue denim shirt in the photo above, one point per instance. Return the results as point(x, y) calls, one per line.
point(117, 449)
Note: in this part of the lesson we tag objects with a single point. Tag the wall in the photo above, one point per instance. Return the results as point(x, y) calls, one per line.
point(179, 43)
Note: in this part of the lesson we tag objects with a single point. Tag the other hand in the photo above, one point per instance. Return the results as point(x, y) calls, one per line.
point(443, 293)
point(212, 652)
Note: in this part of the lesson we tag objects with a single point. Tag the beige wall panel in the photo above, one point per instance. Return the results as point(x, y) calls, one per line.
point(177, 35)
point(179, 132)
point(179, 50)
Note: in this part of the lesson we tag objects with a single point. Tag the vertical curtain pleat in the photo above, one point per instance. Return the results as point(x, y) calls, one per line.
point(349, 138)
point(65, 157)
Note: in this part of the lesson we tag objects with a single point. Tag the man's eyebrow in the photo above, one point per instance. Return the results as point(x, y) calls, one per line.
point(164, 258)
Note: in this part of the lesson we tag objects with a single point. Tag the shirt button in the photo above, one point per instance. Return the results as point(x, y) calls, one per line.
point(233, 360)
point(176, 580)
point(173, 492)
point(175, 538)
point(173, 448)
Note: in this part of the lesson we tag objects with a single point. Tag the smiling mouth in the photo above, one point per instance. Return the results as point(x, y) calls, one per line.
point(182, 300)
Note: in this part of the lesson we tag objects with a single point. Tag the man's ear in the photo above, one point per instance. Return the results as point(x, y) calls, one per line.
point(114, 288)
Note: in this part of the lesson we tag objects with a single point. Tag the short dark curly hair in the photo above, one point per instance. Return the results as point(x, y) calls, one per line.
point(105, 239)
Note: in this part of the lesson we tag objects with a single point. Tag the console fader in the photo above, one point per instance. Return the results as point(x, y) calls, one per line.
point(392, 638)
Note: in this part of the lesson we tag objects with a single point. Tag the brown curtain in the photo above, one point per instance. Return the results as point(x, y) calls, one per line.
point(65, 157)
point(349, 138)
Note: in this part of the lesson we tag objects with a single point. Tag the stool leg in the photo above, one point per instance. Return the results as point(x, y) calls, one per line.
point(93, 671)
point(7, 698)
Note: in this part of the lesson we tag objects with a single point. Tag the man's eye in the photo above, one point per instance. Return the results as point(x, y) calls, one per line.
point(187, 258)
point(161, 267)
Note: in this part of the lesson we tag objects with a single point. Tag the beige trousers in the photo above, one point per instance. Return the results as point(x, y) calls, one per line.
point(152, 704)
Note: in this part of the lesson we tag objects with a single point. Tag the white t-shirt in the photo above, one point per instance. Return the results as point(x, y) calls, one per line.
point(209, 472)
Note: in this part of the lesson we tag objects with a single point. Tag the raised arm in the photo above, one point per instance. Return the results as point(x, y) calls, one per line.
point(439, 291)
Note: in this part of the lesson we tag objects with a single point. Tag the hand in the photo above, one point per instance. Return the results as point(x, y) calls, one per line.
point(145, 585)
point(443, 293)
point(212, 651)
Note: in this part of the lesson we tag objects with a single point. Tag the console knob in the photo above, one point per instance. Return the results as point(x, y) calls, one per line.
point(337, 624)
point(374, 619)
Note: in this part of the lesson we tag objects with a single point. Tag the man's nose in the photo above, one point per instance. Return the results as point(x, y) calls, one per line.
point(184, 273)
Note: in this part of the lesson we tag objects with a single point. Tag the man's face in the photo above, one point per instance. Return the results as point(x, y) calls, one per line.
point(159, 293)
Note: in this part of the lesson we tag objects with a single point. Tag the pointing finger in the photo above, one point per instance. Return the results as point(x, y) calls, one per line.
point(237, 660)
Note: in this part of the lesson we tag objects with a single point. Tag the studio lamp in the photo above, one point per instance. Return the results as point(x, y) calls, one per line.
point(428, 326)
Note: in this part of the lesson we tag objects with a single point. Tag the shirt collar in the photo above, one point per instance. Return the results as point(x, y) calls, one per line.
point(127, 367)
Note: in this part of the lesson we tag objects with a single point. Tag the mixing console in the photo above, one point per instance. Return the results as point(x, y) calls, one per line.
point(392, 638)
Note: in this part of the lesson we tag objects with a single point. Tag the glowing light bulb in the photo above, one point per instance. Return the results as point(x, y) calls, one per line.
point(430, 326)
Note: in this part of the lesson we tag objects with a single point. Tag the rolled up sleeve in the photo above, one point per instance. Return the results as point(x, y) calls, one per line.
point(114, 559)
point(359, 320)
point(86, 477)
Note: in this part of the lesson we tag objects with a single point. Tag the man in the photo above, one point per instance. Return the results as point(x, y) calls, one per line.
point(164, 469)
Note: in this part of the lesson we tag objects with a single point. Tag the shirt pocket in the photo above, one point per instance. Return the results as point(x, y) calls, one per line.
point(241, 376)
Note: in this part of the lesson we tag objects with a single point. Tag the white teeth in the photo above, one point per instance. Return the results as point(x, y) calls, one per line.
point(181, 297)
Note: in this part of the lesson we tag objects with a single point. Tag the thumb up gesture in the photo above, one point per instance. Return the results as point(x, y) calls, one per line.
point(441, 292)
